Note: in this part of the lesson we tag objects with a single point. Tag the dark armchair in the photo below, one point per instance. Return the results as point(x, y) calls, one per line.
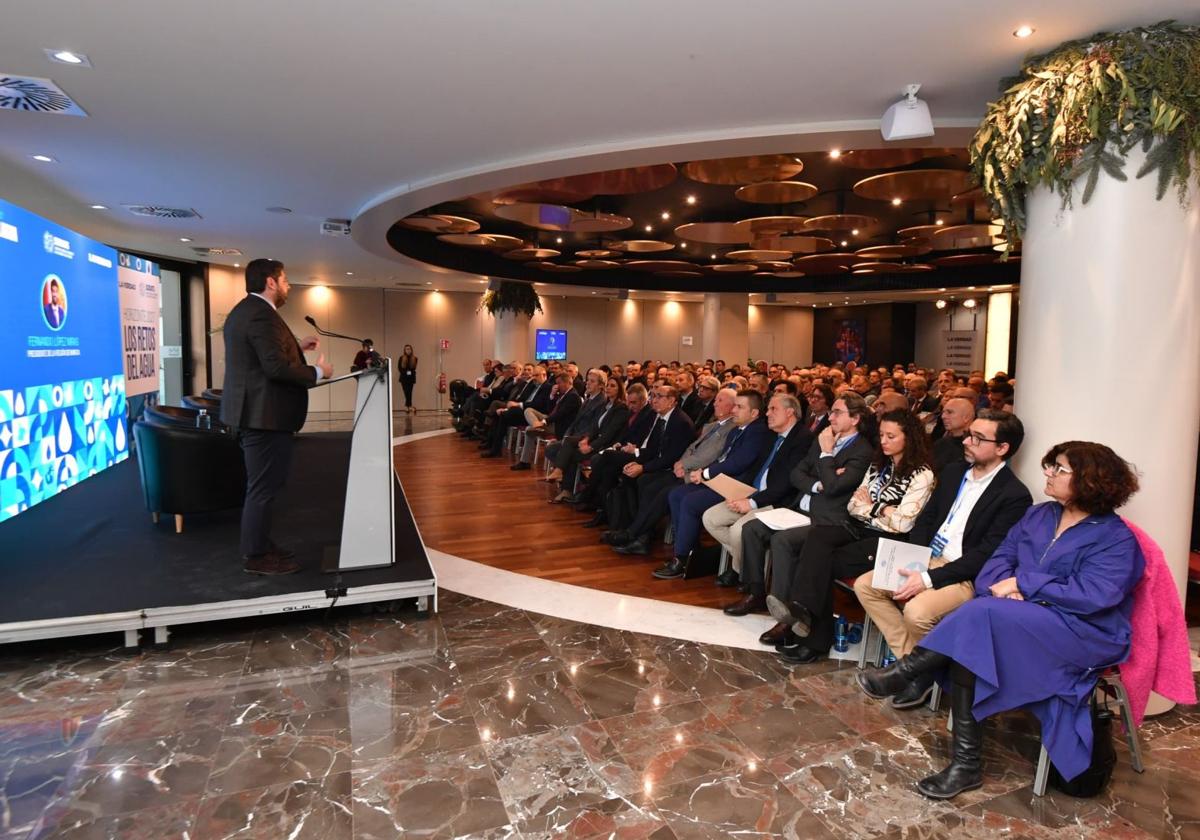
point(187, 470)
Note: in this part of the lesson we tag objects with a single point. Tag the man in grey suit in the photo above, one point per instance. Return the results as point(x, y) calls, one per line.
point(652, 489)
point(825, 478)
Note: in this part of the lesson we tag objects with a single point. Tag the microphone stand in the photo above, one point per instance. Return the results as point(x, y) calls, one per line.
point(375, 359)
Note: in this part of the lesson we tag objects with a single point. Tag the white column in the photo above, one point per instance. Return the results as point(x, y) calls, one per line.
point(512, 341)
point(726, 331)
point(999, 327)
point(1108, 346)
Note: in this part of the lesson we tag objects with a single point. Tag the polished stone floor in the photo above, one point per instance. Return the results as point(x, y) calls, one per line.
point(491, 722)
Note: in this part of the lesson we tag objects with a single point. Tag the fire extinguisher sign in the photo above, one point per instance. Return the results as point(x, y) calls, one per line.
point(444, 343)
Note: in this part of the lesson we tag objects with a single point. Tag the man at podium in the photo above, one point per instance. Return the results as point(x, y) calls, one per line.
point(265, 401)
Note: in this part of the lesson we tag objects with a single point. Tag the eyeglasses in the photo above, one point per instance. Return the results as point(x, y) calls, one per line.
point(835, 412)
point(1056, 469)
point(977, 438)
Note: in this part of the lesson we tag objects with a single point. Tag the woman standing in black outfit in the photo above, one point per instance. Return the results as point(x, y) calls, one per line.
point(407, 364)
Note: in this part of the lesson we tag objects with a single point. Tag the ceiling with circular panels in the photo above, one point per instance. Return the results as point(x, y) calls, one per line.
point(866, 220)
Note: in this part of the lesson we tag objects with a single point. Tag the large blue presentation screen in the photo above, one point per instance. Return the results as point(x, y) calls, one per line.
point(550, 344)
point(62, 383)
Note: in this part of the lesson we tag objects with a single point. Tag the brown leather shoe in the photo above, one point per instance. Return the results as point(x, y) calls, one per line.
point(269, 564)
point(751, 603)
point(775, 635)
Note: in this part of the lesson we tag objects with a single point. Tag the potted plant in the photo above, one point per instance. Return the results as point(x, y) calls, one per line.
point(512, 296)
point(1079, 110)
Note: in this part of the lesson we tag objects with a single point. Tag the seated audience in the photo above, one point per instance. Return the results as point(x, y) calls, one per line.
point(593, 432)
point(886, 504)
point(820, 398)
point(956, 416)
point(769, 476)
point(976, 502)
point(565, 405)
point(1051, 609)
point(831, 471)
point(534, 397)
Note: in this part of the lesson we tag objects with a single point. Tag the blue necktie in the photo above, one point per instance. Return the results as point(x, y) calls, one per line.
point(767, 464)
point(729, 442)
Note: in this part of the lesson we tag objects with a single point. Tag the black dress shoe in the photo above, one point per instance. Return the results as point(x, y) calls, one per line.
point(601, 518)
point(616, 537)
point(520, 465)
point(800, 655)
point(775, 635)
point(916, 693)
point(727, 578)
point(638, 546)
point(676, 567)
point(751, 603)
point(280, 551)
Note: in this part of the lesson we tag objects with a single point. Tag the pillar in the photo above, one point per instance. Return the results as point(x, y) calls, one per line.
point(1108, 343)
point(512, 342)
point(726, 331)
point(999, 323)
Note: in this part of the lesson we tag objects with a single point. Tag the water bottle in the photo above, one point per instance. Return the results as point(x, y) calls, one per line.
point(888, 657)
point(203, 421)
point(840, 629)
point(856, 633)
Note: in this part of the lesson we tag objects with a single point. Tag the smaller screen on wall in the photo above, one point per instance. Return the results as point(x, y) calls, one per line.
point(850, 342)
point(550, 344)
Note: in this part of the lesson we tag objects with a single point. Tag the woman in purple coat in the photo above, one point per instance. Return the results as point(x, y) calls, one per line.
point(1051, 611)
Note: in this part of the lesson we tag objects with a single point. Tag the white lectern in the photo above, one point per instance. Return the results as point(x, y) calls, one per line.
point(368, 537)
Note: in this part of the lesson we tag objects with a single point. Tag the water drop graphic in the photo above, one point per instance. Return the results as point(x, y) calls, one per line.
point(120, 436)
point(64, 435)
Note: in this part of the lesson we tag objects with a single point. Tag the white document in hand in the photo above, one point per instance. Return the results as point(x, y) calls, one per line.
point(730, 488)
point(891, 557)
point(781, 519)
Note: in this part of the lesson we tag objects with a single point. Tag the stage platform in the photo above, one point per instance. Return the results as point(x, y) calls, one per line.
point(90, 560)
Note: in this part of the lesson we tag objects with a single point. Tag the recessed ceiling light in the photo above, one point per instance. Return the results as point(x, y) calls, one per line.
point(349, 273)
point(184, 239)
point(665, 215)
point(939, 223)
point(237, 265)
point(43, 158)
point(691, 199)
point(558, 240)
point(428, 282)
point(714, 256)
point(279, 209)
point(845, 243)
point(940, 304)
point(896, 202)
point(99, 206)
point(835, 153)
point(68, 57)
point(1023, 31)
point(682, 244)
point(649, 228)
point(854, 232)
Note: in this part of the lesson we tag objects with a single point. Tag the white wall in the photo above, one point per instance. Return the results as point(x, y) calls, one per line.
point(599, 330)
point(931, 322)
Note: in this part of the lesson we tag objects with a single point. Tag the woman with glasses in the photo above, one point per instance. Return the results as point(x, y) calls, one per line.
point(1051, 611)
point(886, 504)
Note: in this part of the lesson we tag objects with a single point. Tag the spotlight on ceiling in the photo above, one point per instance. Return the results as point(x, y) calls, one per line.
point(908, 118)
point(835, 153)
point(969, 303)
point(1023, 31)
point(941, 304)
point(691, 199)
point(68, 57)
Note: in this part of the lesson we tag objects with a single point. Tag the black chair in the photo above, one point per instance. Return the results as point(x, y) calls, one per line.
point(171, 415)
point(187, 470)
point(213, 407)
point(212, 394)
point(459, 391)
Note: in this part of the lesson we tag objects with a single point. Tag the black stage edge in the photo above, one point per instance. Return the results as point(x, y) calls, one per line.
point(93, 550)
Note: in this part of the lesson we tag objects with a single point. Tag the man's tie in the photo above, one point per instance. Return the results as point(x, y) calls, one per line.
point(656, 434)
point(758, 479)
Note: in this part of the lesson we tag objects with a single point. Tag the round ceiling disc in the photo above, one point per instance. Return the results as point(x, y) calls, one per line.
point(493, 241)
point(887, 252)
point(825, 263)
point(760, 226)
point(659, 265)
point(961, 237)
point(531, 254)
point(914, 185)
point(679, 274)
point(557, 217)
point(440, 223)
point(840, 222)
point(635, 179)
point(596, 253)
point(597, 264)
point(794, 244)
point(776, 192)
point(789, 274)
point(759, 256)
point(556, 191)
point(714, 233)
point(960, 260)
point(639, 246)
point(744, 170)
point(558, 269)
point(733, 268)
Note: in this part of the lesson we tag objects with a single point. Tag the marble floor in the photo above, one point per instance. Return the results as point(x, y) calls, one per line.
point(488, 721)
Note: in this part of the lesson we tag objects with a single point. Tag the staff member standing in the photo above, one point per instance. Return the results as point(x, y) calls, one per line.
point(265, 400)
point(408, 375)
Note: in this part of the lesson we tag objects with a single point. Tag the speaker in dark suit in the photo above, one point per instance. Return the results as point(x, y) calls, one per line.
point(265, 398)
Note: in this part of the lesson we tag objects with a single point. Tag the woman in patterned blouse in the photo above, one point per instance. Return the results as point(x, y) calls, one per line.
point(886, 504)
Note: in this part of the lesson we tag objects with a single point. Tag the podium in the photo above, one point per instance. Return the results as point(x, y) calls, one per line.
point(368, 535)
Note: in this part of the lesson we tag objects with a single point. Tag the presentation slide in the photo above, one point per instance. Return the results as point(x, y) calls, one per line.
point(62, 381)
point(550, 344)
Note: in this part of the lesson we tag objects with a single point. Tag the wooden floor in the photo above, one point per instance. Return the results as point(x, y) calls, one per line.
point(479, 509)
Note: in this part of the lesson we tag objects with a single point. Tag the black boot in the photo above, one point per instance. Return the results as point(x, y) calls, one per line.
point(895, 678)
point(916, 693)
point(965, 771)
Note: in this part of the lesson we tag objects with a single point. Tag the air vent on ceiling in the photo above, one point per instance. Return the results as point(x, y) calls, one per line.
point(154, 211)
point(26, 93)
point(217, 252)
point(410, 285)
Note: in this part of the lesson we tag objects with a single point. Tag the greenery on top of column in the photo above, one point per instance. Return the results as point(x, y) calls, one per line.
point(1079, 110)
point(512, 296)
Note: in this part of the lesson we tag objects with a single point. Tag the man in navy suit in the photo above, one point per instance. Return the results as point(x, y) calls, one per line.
point(55, 313)
point(265, 400)
point(689, 501)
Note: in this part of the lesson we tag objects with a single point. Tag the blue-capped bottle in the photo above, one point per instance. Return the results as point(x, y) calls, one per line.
point(840, 630)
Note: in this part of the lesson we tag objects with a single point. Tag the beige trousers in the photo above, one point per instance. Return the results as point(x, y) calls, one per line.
point(726, 528)
point(905, 628)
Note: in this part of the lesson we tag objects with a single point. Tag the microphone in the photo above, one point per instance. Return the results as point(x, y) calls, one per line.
point(320, 331)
